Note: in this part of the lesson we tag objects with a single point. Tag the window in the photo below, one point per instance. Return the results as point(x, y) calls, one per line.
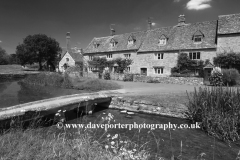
point(113, 43)
point(194, 55)
point(162, 41)
point(159, 56)
point(158, 70)
point(109, 55)
point(96, 45)
point(90, 57)
point(127, 55)
point(128, 69)
point(197, 39)
point(67, 59)
point(143, 71)
point(91, 69)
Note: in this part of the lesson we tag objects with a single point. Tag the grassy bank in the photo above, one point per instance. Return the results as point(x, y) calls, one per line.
point(64, 81)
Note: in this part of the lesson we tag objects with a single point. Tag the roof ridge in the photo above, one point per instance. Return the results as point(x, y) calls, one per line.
point(228, 15)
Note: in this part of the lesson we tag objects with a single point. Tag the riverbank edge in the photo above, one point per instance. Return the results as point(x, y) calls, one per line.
point(147, 107)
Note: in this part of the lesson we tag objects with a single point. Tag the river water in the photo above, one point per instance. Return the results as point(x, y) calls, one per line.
point(194, 141)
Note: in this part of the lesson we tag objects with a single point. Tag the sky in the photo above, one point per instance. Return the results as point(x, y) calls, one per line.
point(86, 19)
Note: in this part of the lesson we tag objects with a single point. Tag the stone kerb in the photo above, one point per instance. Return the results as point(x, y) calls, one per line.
point(143, 106)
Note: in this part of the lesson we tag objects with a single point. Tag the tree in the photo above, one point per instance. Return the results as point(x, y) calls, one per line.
point(228, 60)
point(4, 57)
point(98, 63)
point(122, 64)
point(38, 48)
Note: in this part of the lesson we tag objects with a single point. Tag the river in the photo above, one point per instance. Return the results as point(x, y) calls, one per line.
point(194, 141)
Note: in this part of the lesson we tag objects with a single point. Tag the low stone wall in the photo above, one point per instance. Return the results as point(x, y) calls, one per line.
point(117, 76)
point(172, 80)
point(142, 106)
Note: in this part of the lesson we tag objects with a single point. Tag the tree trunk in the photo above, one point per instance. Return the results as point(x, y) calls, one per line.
point(40, 66)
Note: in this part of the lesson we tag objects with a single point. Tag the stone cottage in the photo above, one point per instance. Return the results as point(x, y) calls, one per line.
point(228, 33)
point(155, 51)
point(70, 56)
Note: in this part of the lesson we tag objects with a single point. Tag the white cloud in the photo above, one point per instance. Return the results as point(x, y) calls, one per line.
point(198, 4)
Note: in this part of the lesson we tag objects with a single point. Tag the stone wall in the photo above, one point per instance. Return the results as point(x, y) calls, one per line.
point(116, 76)
point(171, 80)
point(228, 43)
point(143, 106)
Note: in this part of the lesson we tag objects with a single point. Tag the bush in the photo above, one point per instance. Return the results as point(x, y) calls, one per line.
point(49, 79)
point(107, 76)
point(216, 77)
point(230, 77)
point(218, 110)
point(128, 77)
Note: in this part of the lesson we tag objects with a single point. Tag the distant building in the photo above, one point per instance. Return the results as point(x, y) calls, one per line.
point(70, 56)
point(155, 52)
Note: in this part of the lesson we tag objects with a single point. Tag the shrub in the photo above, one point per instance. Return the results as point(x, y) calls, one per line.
point(218, 110)
point(107, 76)
point(128, 77)
point(153, 81)
point(49, 79)
point(216, 77)
point(230, 76)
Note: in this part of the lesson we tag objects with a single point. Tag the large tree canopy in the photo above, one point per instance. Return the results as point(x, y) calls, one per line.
point(4, 57)
point(38, 48)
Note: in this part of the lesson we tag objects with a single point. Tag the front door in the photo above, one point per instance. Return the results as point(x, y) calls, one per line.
point(144, 71)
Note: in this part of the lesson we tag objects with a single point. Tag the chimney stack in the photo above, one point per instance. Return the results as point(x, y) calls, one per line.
point(112, 30)
point(181, 20)
point(68, 41)
point(149, 23)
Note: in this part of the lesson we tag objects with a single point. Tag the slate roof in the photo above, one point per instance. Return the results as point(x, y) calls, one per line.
point(228, 24)
point(75, 55)
point(122, 43)
point(181, 37)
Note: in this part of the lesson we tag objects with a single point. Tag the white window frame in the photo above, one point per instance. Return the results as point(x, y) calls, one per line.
point(162, 41)
point(194, 55)
point(128, 69)
point(109, 56)
point(198, 37)
point(90, 58)
point(158, 70)
point(90, 69)
point(127, 55)
point(130, 42)
point(67, 59)
point(159, 56)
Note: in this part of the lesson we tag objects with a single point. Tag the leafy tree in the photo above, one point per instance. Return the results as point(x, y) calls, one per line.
point(38, 48)
point(4, 57)
point(228, 60)
point(98, 63)
point(13, 59)
point(122, 64)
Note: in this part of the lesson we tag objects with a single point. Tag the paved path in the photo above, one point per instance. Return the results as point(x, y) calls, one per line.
point(141, 88)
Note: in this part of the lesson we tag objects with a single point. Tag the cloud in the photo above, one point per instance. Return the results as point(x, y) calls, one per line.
point(198, 4)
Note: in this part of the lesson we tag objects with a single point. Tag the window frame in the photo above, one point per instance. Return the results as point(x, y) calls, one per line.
point(127, 55)
point(159, 56)
point(195, 55)
point(198, 37)
point(162, 41)
point(158, 70)
point(90, 57)
point(67, 59)
point(109, 56)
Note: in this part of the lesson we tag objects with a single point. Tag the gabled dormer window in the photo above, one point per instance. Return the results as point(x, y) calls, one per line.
point(131, 40)
point(162, 40)
point(113, 43)
point(96, 45)
point(198, 37)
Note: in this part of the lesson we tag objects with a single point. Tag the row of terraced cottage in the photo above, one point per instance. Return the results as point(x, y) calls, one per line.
point(154, 52)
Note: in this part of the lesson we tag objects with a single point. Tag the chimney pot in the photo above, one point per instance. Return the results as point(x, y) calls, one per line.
point(181, 20)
